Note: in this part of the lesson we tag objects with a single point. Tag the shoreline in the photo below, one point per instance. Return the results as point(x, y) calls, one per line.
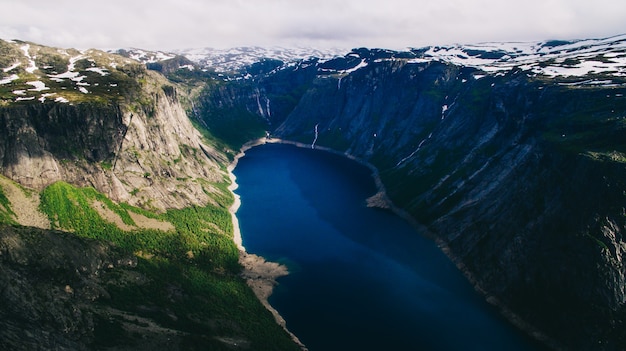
point(381, 200)
point(259, 274)
point(233, 186)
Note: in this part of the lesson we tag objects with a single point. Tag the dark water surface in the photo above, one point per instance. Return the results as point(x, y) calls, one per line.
point(360, 278)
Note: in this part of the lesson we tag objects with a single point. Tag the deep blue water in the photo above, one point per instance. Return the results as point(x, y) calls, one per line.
point(360, 278)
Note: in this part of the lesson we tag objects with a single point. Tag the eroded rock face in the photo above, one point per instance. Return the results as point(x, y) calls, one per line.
point(163, 154)
point(38, 137)
point(138, 155)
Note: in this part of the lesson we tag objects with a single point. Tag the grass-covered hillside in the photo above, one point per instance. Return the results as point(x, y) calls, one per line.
point(176, 284)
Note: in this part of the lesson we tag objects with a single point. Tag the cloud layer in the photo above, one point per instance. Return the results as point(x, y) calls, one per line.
point(392, 24)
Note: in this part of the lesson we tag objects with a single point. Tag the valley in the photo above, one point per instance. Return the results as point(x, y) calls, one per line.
point(510, 156)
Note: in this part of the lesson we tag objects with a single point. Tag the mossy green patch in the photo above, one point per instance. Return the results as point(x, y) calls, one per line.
point(6, 213)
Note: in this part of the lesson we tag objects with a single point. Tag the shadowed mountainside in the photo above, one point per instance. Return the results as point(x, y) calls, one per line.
point(517, 171)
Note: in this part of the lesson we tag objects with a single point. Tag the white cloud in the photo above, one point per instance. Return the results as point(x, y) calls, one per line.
point(348, 23)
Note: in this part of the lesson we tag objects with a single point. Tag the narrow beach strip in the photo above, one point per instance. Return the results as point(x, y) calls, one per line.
point(260, 275)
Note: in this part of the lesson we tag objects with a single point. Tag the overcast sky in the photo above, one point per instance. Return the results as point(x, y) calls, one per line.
point(394, 24)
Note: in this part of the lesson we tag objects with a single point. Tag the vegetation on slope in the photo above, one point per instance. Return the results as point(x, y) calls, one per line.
point(186, 279)
point(6, 213)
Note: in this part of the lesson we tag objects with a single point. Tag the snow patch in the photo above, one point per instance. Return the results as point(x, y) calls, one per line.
point(102, 71)
point(9, 79)
point(83, 90)
point(417, 60)
point(25, 98)
point(148, 57)
point(577, 58)
point(225, 60)
point(362, 64)
point(13, 66)
point(31, 63)
point(60, 77)
point(69, 74)
point(38, 86)
point(591, 82)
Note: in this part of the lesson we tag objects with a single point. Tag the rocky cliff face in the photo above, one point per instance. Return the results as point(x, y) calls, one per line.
point(518, 174)
point(132, 141)
point(142, 257)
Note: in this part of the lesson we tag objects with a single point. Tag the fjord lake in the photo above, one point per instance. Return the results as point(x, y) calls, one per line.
point(360, 278)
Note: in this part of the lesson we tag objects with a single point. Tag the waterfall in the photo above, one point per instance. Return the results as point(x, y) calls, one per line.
point(414, 152)
point(258, 103)
point(316, 135)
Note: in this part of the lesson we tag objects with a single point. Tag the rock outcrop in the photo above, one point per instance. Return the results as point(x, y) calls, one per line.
point(136, 153)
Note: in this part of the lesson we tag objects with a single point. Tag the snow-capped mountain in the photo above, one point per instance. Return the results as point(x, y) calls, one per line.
point(36, 72)
point(234, 59)
point(605, 57)
point(548, 58)
point(582, 62)
point(144, 56)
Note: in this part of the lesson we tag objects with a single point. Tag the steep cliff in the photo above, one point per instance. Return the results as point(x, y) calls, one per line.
point(139, 142)
point(134, 247)
point(515, 167)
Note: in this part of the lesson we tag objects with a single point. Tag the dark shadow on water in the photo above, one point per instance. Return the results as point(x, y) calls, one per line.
point(361, 278)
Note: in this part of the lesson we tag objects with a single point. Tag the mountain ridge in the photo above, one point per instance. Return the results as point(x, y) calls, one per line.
point(548, 57)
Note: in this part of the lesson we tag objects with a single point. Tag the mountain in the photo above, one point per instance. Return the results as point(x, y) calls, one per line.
point(233, 59)
point(115, 227)
point(511, 156)
point(550, 58)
